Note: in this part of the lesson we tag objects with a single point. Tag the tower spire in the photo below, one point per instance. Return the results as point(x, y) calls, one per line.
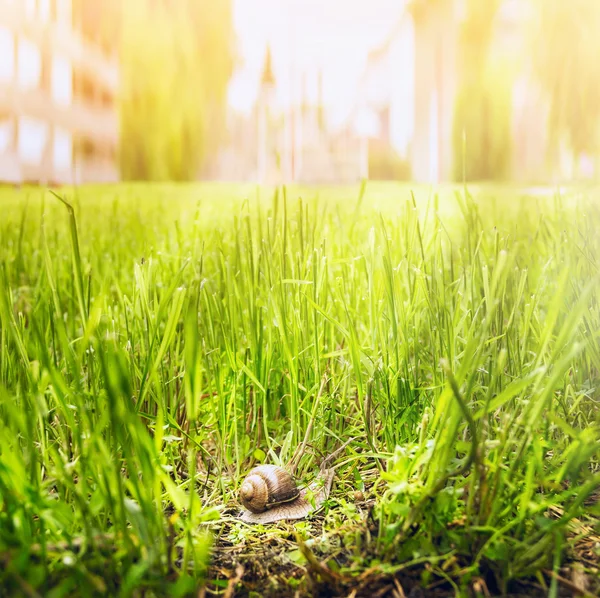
point(268, 79)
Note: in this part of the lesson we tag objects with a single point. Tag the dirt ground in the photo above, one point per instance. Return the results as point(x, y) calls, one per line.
point(269, 562)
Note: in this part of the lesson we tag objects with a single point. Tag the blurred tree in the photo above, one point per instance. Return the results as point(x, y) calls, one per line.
point(566, 55)
point(176, 61)
point(385, 164)
point(481, 137)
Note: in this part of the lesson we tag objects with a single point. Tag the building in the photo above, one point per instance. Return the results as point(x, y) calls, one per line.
point(288, 144)
point(58, 85)
point(411, 82)
point(409, 88)
point(268, 160)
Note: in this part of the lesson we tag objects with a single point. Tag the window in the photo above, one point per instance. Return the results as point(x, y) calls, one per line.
point(64, 12)
point(62, 150)
point(44, 10)
point(7, 51)
point(7, 129)
point(33, 135)
point(61, 81)
point(31, 8)
point(29, 64)
point(460, 10)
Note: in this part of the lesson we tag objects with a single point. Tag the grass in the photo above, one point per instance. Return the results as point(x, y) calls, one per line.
point(156, 342)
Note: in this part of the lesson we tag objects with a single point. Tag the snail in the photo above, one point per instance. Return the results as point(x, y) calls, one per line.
point(269, 493)
point(267, 486)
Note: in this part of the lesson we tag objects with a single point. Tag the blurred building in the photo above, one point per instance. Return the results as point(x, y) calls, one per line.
point(409, 89)
point(293, 143)
point(402, 125)
point(58, 83)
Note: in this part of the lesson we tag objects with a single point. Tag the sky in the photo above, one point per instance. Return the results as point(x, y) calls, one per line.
point(305, 36)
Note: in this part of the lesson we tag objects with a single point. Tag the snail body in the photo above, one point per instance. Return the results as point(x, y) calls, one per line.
point(266, 487)
point(269, 493)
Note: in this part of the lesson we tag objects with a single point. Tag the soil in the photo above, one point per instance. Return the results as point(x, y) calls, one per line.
point(266, 563)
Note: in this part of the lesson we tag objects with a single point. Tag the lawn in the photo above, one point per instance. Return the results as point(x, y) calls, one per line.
point(443, 348)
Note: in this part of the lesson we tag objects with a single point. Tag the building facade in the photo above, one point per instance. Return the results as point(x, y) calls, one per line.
point(58, 84)
point(410, 87)
point(290, 144)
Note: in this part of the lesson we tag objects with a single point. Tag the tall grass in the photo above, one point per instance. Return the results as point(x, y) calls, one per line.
point(156, 342)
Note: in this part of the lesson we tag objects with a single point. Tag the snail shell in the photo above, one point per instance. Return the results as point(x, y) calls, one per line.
point(267, 486)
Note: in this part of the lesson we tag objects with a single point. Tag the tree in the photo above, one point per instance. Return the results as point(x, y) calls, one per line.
point(176, 62)
point(481, 136)
point(566, 47)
